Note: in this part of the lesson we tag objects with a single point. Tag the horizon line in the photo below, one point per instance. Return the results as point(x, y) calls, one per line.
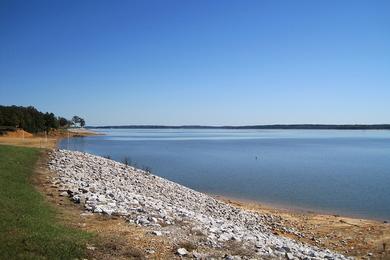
point(265, 126)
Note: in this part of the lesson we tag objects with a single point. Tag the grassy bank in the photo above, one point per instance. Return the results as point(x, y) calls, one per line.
point(28, 224)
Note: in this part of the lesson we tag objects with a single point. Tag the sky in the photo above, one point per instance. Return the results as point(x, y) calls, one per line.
point(201, 62)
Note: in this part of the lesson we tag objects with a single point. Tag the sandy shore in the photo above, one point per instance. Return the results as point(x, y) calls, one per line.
point(22, 138)
point(361, 238)
point(83, 132)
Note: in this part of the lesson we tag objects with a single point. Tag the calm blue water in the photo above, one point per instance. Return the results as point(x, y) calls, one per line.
point(343, 172)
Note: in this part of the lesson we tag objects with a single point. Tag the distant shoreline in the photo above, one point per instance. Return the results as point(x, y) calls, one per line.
point(40, 140)
point(275, 127)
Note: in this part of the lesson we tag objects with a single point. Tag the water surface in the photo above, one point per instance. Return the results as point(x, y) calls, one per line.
point(337, 171)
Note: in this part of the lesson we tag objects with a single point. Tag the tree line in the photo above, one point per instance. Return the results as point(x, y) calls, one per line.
point(34, 121)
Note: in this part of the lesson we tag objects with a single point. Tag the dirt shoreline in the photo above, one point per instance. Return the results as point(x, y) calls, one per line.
point(358, 237)
point(50, 141)
point(293, 209)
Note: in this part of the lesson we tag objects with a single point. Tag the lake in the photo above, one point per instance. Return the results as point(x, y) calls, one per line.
point(335, 171)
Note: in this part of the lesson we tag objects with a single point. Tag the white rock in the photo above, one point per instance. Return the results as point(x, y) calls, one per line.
point(289, 256)
point(182, 251)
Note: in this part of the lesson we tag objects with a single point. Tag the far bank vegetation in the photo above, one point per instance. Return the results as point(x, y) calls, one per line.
point(34, 121)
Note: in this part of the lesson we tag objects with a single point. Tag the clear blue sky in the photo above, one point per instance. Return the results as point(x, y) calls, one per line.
point(198, 62)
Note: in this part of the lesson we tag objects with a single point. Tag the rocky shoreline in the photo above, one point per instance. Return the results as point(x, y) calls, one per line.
point(174, 211)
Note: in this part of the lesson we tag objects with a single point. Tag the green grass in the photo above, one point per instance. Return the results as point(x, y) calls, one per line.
point(28, 225)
